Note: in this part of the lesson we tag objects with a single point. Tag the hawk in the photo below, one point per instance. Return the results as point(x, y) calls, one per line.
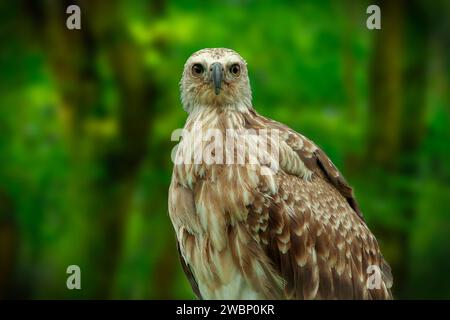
point(254, 224)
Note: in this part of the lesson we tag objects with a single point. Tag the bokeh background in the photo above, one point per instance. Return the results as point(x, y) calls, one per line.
point(86, 118)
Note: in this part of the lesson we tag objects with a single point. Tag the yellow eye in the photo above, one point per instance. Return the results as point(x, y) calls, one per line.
point(235, 69)
point(197, 69)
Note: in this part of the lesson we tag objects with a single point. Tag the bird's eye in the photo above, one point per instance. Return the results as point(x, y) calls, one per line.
point(197, 69)
point(235, 69)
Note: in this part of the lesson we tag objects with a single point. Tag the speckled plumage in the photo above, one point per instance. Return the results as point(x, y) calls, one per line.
point(297, 233)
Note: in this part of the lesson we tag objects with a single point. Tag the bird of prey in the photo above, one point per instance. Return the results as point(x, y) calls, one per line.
point(283, 226)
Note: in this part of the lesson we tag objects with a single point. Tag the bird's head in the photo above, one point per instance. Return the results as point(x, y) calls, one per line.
point(215, 77)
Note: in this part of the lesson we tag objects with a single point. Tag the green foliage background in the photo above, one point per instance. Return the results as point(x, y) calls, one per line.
point(86, 118)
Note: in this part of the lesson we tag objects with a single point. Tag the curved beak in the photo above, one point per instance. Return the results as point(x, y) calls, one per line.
point(217, 76)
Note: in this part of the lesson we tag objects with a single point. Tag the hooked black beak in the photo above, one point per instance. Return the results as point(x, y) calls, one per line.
point(217, 76)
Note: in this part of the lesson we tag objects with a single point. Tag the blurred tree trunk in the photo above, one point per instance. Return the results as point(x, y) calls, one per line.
point(397, 114)
point(8, 247)
point(70, 55)
point(385, 81)
point(73, 56)
point(412, 125)
point(348, 11)
point(122, 161)
point(349, 7)
point(165, 269)
point(385, 93)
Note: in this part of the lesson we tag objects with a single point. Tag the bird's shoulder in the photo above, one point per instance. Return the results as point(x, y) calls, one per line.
point(301, 156)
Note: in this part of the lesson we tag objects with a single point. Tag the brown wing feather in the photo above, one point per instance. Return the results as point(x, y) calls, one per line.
point(335, 177)
point(317, 238)
point(182, 209)
point(189, 275)
point(329, 247)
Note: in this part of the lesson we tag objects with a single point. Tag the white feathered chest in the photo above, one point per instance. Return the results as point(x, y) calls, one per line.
point(218, 169)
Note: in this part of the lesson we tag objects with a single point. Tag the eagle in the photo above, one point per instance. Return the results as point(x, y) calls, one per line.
point(268, 216)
